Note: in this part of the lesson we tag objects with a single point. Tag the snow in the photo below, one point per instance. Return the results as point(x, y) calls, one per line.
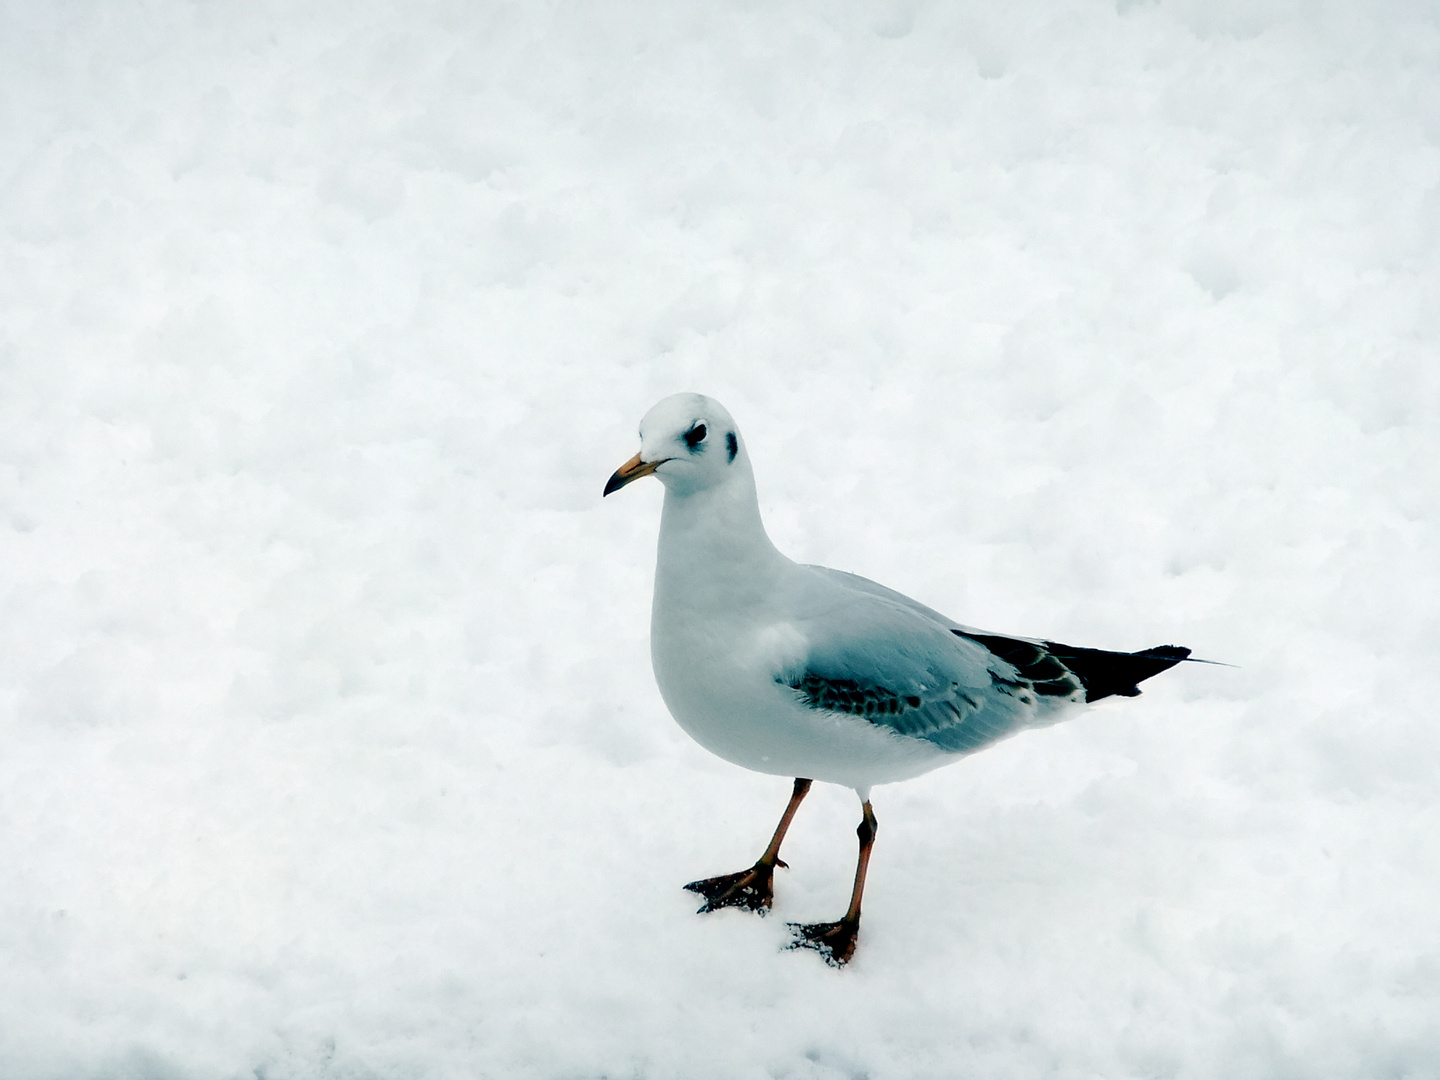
point(330, 745)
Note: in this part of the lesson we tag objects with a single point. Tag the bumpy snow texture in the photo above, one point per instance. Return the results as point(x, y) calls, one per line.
point(328, 742)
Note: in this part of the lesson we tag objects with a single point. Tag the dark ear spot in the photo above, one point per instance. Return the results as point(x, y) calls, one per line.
point(732, 444)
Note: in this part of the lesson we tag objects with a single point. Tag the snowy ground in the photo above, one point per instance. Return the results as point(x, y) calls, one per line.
point(328, 741)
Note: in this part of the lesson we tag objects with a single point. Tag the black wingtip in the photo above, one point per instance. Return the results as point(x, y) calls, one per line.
point(1117, 674)
point(1166, 652)
point(1101, 672)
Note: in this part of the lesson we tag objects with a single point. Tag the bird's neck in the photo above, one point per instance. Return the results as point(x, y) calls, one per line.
point(714, 553)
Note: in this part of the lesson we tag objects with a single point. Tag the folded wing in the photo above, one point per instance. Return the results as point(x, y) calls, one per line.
point(877, 654)
point(900, 667)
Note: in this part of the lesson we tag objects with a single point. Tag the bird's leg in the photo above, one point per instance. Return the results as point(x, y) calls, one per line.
point(752, 889)
point(836, 940)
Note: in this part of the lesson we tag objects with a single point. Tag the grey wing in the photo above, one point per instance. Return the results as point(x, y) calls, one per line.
point(899, 666)
point(1058, 674)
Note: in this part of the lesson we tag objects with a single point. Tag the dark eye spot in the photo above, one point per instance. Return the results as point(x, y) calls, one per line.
point(732, 444)
point(695, 436)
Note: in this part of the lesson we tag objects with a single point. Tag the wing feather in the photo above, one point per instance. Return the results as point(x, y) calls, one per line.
point(878, 654)
point(875, 654)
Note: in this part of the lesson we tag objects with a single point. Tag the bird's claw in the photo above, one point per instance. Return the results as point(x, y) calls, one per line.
point(752, 889)
point(835, 941)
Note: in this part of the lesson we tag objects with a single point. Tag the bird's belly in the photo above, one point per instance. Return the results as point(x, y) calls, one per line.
point(739, 712)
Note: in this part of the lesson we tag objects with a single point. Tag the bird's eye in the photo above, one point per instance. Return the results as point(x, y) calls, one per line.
point(695, 436)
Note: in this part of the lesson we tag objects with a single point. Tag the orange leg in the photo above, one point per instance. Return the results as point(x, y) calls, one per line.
point(836, 940)
point(752, 889)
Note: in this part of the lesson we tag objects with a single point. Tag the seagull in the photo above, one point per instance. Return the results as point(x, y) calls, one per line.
point(818, 674)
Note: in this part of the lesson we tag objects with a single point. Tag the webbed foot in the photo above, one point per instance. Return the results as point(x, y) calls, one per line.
point(835, 941)
point(751, 889)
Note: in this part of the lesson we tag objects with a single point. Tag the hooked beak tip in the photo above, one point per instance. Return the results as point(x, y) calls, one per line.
point(632, 470)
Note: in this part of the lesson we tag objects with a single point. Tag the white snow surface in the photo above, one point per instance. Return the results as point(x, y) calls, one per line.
point(329, 746)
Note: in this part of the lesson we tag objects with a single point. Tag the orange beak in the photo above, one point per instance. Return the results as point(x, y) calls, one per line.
point(633, 469)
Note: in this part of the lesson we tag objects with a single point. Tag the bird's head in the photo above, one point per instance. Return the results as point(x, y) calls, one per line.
point(688, 441)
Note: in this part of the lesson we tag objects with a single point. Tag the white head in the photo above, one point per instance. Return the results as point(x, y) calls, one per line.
point(689, 442)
